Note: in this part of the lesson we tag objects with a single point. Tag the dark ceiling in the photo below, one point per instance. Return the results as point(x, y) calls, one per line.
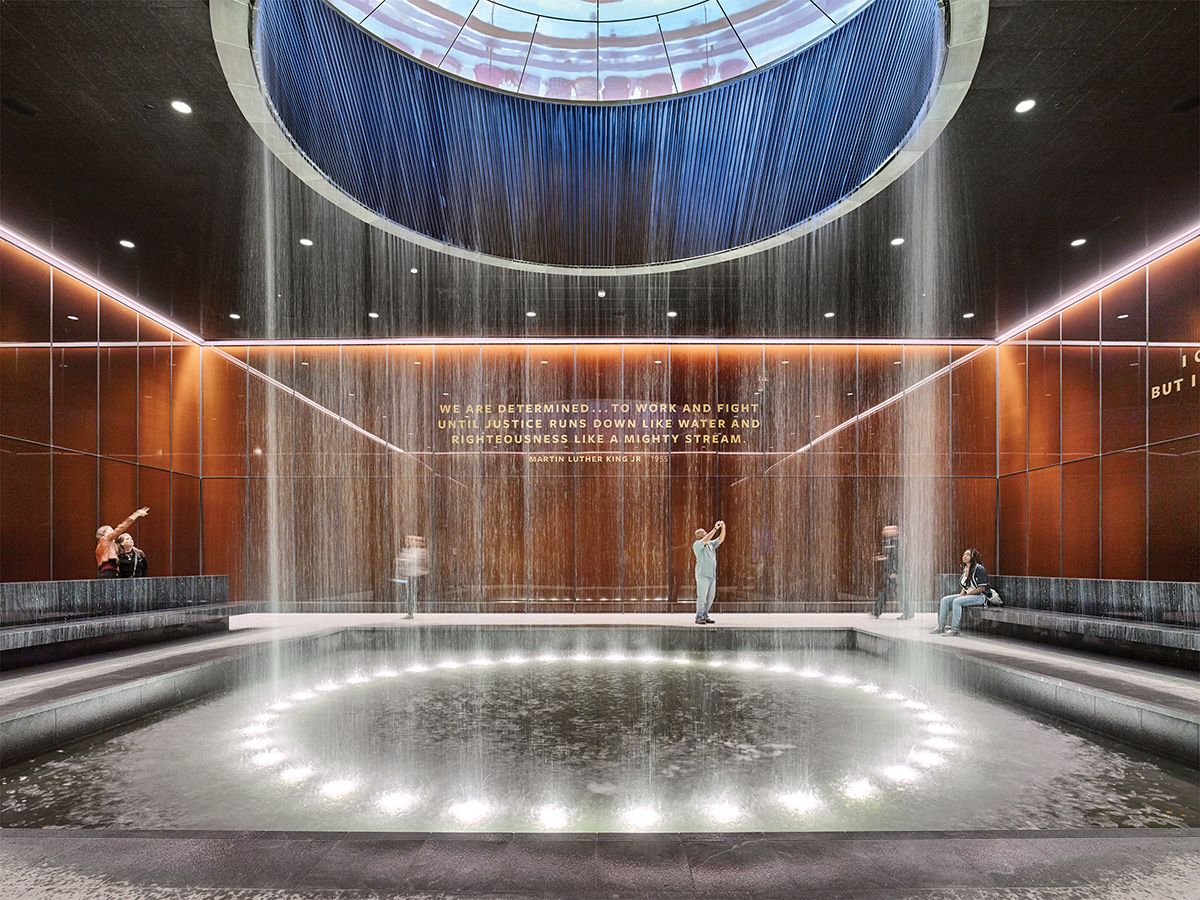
point(1111, 153)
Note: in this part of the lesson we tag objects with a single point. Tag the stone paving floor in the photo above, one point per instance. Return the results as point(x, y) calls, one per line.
point(1076, 865)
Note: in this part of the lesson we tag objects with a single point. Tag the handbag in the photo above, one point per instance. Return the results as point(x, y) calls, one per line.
point(993, 600)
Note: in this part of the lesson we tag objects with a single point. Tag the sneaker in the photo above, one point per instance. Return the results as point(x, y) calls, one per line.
point(902, 618)
point(953, 632)
point(874, 615)
point(702, 621)
point(708, 621)
point(938, 631)
point(408, 615)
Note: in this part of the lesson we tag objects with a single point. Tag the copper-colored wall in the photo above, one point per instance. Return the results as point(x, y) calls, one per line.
point(1099, 426)
point(309, 508)
point(99, 414)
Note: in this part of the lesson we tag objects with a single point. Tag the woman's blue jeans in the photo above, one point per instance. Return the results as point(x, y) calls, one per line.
point(957, 601)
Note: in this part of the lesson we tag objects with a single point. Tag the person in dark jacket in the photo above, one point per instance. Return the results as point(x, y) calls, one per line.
point(889, 557)
point(131, 562)
point(975, 592)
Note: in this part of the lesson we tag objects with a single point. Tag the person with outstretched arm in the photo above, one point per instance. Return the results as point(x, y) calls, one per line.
point(107, 549)
point(705, 547)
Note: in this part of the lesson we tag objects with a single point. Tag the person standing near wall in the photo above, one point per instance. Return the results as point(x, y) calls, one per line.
point(705, 548)
point(106, 544)
point(889, 557)
point(414, 566)
point(131, 562)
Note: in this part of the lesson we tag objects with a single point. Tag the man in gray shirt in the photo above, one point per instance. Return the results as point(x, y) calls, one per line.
point(705, 548)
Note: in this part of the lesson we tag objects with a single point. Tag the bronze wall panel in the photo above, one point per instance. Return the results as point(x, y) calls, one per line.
point(153, 406)
point(1123, 515)
point(789, 421)
point(25, 505)
point(600, 538)
point(224, 417)
point(185, 525)
point(153, 533)
point(1174, 493)
point(1123, 390)
point(1045, 522)
point(75, 517)
point(25, 393)
point(411, 404)
point(973, 518)
point(24, 297)
point(185, 408)
point(74, 406)
point(1044, 367)
point(513, 529)
point(119, 391)
point(646, 532)
point(1013, 407)
point(1080, 402)
point(224, 504)
point(973, 408)
point(1013, 495)
point(1174, 296)
point(1081, 537)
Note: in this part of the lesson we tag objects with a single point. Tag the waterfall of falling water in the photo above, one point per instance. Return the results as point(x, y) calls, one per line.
point(937, 281)
point(271, 413)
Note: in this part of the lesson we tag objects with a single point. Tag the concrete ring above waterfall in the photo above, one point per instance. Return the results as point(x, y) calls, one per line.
point(498, 133)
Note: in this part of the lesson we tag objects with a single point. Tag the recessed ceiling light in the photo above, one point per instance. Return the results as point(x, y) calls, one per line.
point(658, 362)
point(968, 315)
point(849, 393)
point(128, 245)
point(258, 451)
point(784, 362)
point(600, 293)
point(445, 393)
point(1078, 242)
point(73, 318)
point(896, 362)
point(417, 362)
point(304, 364)
point(545, 361)
point(531, 314)
point(672, 314)
point(234, 316)
point(1026, 105)
point(896, 242)
point(305, 242)
point(372, 315)
point(1123, 316)
point(829, 315)
point(181, 107)
point(413, 270)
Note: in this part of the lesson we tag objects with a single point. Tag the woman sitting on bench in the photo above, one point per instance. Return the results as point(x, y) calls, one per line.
point(975, 592)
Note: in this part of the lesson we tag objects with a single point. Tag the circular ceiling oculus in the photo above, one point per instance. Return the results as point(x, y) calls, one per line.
point(476, 160)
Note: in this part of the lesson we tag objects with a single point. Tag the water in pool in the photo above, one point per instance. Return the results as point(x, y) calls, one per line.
point(622, 740)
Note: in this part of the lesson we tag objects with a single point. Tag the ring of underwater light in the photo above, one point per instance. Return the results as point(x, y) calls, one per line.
point(560, 187)
point(266, 755)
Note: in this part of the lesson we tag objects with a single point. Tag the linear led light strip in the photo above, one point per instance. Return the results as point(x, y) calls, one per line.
point(369, 435)
point(1142, 260)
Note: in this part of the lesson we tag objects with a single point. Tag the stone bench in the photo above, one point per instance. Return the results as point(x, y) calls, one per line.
point(1144, 620)
point(44, 621)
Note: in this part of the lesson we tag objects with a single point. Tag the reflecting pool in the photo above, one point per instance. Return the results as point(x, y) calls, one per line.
point(600, 738)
